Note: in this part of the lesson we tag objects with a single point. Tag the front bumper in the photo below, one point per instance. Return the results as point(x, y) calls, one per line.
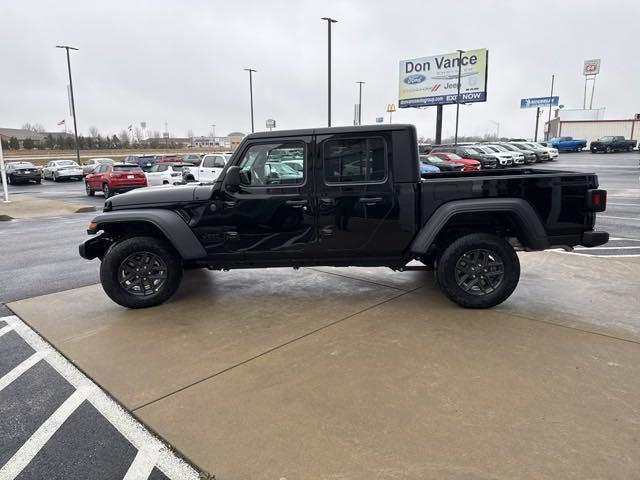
point(25, 177)
point(94, 247)
point(593, 238)
point(69, 173)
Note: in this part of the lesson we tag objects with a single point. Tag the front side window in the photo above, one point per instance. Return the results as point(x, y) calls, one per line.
point(354, 160)
point(218, 162)
point(260, 164)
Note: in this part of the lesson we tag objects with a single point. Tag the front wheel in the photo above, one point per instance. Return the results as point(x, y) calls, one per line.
point(478, 270)
point(106, 190)
point(140, 272)
point(89, 190)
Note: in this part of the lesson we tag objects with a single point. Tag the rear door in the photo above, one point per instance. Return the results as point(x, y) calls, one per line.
point(355, 193)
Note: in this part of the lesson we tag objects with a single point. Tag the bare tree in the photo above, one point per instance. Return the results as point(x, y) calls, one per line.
point(94, 132)
point(34, 127)
point(137, 135)
point(124, 137)
point(156, 134)
point(190, 134)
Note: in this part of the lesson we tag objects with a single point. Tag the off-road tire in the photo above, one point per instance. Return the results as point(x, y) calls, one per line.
point(120, 251)
point(449, 260)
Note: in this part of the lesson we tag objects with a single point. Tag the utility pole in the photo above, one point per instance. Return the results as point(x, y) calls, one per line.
point(497, 124)
point(3, 175)
point(73, 104)
point(439, 124)
point(251, 72)
point(213, 131)
point(548, 135)
point(360, 102)
point(460, 52)
point(535, 138)
point(329, 22)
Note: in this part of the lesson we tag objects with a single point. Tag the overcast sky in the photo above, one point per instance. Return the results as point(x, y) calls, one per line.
point(181, 61)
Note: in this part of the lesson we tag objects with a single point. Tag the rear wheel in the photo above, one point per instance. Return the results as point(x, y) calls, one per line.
point(140, 272)
point(608, 149)
point(106, 190)
point(54, 177)
point(478, 270)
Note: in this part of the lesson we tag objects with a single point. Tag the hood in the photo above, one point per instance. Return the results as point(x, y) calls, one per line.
point(160, 195)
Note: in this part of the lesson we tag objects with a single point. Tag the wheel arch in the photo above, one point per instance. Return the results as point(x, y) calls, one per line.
point(515, 215)
point(165, 224)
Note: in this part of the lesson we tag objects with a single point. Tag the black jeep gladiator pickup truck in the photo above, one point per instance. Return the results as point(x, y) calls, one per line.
point(356, 198)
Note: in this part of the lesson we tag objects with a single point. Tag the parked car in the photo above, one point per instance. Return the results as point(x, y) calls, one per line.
point(208, 170)
point(612, 144)
point(193, 158)
point(58, 169)
point(168, 173)
point(441, 163)
point(529, 155)
point(551, 151)
point(465, 151)
point(542, 155)
point(567, 144)
point(517, 155)
point(112, 179)
point(505, 159)
point(466, 226)
point(469, 165)
point(168, 157)
point(90, 164)
point(22, 172)
point(145, 162)
point(426, 168)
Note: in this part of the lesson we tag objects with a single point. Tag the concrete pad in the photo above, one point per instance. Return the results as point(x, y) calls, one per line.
point(25, 206)
point(592, 293)
point(416, 388)
point(217, 320)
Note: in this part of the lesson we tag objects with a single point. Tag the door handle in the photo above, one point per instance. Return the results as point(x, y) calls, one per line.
point(296, 203)
point(370, 200)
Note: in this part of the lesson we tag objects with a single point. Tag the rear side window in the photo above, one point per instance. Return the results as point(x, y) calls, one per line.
point(354, 160)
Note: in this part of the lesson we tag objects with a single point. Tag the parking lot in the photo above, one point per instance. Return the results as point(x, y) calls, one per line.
point(338, 372)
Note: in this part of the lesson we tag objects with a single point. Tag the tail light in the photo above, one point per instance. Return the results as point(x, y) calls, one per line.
point(597, 200)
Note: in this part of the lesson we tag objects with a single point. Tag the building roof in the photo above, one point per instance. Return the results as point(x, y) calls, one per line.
point(236, 134)
point(21, 134)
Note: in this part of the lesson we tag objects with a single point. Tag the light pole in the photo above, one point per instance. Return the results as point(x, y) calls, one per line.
point(73, 104)
point(251, 72)
point(497, 124)
point(329, 22)
point(360, 102)
point(460, 52)
point(553, 77)
point(213, 132)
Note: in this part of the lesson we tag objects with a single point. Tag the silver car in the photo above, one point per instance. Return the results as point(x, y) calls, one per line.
point(89, 165)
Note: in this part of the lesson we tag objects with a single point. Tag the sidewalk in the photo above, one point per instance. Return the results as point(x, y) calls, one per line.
point(25, 206)
point(367, 373)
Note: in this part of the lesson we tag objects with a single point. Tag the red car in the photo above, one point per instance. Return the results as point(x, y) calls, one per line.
point(112, 179)
point(454, 157)
point(168, 158)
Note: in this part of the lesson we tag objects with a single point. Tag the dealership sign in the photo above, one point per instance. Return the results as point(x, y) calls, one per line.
point(434, 80)
point(591, 67)
point(539, 102)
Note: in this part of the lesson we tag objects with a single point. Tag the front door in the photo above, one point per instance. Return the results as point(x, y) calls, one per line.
point(271, 215)
point(357, 207)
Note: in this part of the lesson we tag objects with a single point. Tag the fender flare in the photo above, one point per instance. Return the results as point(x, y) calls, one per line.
point(171, 224)
point(535, 236)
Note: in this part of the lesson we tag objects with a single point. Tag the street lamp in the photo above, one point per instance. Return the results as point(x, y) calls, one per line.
point(460, 52)
point(497, 124)
point(329, 22)
point(251, 72)
point(548, 136)
point(73, 105)
point(360, 102)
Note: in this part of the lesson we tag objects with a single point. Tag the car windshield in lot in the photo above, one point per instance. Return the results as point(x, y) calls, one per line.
point(606, 139)
point(63, 163)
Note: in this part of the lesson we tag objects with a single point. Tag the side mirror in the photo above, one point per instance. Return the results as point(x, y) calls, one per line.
point(232, 178)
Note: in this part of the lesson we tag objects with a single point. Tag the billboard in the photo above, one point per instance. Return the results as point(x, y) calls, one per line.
point(591, 67)
point(434, 80)
point(539, 102)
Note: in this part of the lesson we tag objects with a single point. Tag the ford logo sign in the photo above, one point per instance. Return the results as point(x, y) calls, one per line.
point(415, 78)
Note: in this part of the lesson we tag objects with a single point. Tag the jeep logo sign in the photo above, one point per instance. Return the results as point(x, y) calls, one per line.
point(434, 80)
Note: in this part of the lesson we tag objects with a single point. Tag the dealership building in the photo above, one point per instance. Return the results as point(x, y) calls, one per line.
point(591, 125)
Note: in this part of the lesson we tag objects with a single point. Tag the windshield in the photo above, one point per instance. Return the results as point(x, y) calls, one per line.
point(606, 139)
point(127, 168)
point(67, 162)
point(511, 148)
point(431, 159)
point(21, 165)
